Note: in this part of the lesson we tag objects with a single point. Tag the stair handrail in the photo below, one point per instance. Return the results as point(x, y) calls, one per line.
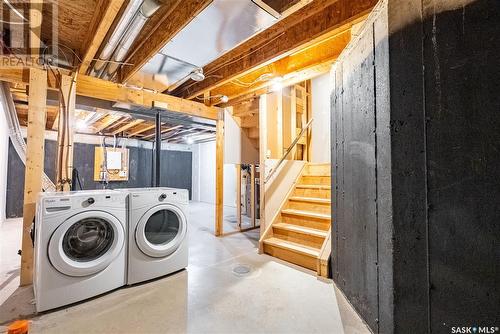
point(288, 150)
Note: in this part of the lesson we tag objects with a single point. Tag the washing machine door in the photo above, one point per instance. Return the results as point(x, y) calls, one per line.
point(161, 230)
point(86, 243)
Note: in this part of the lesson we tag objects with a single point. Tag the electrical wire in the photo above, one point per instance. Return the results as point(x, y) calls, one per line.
point(26, 21)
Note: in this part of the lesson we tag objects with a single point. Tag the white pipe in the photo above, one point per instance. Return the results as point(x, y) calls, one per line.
point(15, 132)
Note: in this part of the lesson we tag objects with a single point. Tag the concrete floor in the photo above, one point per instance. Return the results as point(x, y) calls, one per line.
point(208, 297)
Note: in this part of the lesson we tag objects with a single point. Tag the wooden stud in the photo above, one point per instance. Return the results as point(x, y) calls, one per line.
point(308, 113)
point(106, 13)
point(252, 194)
point(262, 158)
point(238, 195)
point(219, 175)
point(34, 165)
point(293, 119)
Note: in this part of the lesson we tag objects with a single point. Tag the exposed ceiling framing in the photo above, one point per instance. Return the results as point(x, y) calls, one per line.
point(306, 27)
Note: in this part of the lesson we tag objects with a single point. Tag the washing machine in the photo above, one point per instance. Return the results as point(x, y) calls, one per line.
point(158, 232)
point(80, 246)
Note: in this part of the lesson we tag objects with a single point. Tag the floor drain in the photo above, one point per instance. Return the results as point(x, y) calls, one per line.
point(242, 270)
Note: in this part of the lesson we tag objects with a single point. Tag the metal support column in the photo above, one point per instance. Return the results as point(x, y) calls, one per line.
point(157, 148)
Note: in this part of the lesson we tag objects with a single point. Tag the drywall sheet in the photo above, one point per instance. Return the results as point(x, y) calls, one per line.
point(321, 89)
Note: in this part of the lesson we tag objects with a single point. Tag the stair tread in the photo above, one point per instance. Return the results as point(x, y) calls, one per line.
point(305, 213)
point(293, 246)
point(311, 199)
point(313, 186)
point(302, 229)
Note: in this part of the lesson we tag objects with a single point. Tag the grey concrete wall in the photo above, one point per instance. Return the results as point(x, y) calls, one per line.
point(176, 171)
point(415, 150)
point(362, 226)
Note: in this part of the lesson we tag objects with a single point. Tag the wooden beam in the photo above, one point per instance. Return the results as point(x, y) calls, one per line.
point(127, 126)
point(34, 165)
point(300, 76)
point(180, 15)
point(110, 91)
point(108, 120)
point(105, 14)
point(290, 67)
point(219, 175)
point(64, 163)
point(252, 194)
point(35, 31)
point(307, 26)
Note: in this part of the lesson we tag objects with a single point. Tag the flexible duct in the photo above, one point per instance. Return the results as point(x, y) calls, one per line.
point(15, 134)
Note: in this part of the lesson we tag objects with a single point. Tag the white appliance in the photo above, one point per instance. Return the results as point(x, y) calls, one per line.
point(157, 233)
point(79, 246)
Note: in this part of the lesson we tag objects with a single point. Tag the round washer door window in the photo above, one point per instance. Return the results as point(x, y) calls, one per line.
point(161, 230)
point(86, 243)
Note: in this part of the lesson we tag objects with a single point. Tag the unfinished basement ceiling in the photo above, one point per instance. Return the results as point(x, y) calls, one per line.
point(122, 120)
point(218, 28)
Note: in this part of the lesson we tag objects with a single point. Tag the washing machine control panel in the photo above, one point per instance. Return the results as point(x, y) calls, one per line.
point(57, 203)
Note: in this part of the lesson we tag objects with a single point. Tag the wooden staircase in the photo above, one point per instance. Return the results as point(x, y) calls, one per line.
point(300, 233)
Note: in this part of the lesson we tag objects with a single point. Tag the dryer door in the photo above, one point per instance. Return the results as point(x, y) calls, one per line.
point(86, 243)
point(161, 230)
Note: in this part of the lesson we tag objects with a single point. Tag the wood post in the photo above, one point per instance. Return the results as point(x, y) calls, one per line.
point(238, 195)
point(262, 157)
point(252, 193)
point(293, 119)
point(34, 164)
point(64, 165)
point(219, 174)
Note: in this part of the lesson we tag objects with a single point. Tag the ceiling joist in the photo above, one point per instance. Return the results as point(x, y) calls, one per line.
point(314, 22)
point(103, 19)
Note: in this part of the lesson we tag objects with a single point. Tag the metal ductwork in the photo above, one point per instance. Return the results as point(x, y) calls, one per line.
point(128, 28)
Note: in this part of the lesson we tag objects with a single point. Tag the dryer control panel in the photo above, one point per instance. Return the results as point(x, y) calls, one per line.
point(177, 196)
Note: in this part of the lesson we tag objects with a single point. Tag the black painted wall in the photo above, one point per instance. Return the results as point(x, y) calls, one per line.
point(416, 167)
point(176, 171)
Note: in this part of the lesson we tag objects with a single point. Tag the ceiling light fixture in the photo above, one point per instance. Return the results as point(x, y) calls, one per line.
point(197, 74)
point(81, 125)
point(189, 140)
point(224, 99)
point(276, 84)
